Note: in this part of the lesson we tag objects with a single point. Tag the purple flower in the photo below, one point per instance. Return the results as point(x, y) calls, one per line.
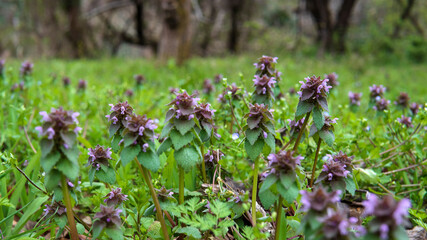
point(139, 79)
point(26, 68)
point(388, 214)
point(332, 77)
point(208, 88)
point(336, 225)
point(140, 127)
point(381, 105)
point(99, 155)
point(402, 100)
point(318, 200)
point(54, 208)
point(257, 115)
point(354, 98)
point(81, 86)
point(218, 78)
point(407, 121)
point(2, 62)
point(333, 170)
point(295, 126)
point(233, 90)
point(415, 107)
point(313, 88)
point(119, 112)
point(377, 91)
point(164, 194)
point(108, 216)
point(184, 105)
point(235, 136)
point(264, 85)
point(115, 197)
point(212, 157)
point(129, 92)
point(56, 122)
point(283, 162)
point(343, 159)
point(266, 65)
point(66, 81)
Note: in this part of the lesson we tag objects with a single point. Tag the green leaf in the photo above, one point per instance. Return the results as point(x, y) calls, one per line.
point(115, 142)
point(96, 230)
point(268, 182)
point(187, 157)
point(91, 176)
point(166, 129)
point(61, 220)
point(267, 198)
point(179, 140)
point(253, 134)
point(254, 150)
point(166, 144)
point(303, 108)
point(50, 161)
point(129, 153)
point(129, 138)
point(68, 168)
point(52, 179)
point(270, 141)
point(29, 212)
point(366, 175)
point(46, 146)
point(269, 126)
point(106, 174)
point(327, 136)
point(323, 103)
point(183, 126)
point(220, 209)
point(69, 137)
point(318, 118)
point(114, 233)
point(80, 228)
point(4, 201)
point(149, 160)
point(350, 186)
point(400, 233)
point(171, 112)
point(287, 180)
point(72, 154)
point(113, 129)
point(290, 194)
point(190, 231)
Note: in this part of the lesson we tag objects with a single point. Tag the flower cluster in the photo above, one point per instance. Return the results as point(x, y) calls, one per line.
point(264, 85)
point(204, 113)
point(99, 155)
point(407, 121)
point(129, 92)
point(218, 78)
point(212, 157)
point(138, 128)
point(139, 79)
point(318, 200)
point(184, 106)
point(233, 90)
point(164, 194)
point(66, 81)
point(295, 126)
point(313, 88)
point(336, 224)
point(208, 88)
point(118, 114)
point(333, 79)
point(283, 162)
point(381, 105)
point(258, 114)
point(343, 159)
point(388, 214)
point(107, 217)
point(57, 124)
point(376, 91)
point(16, 86)
point(333, 170)
point(2, 62)
point(354, 98)
point(26, 68)
point(328, 125)
point(54, 208)
point(402, 100)
point(115, 197)
point(415, 107)
point(266, 65)
point(81, 86)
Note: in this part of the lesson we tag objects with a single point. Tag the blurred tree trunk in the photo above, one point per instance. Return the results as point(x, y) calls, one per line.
point(139, 21)
point(331, 35)
point(235, 7)
point(407, 14)
point(175, 38)
point(208, 26)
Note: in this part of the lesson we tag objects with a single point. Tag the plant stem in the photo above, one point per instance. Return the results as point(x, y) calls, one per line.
point(67, 200)
point(278, 218)
point(254, 191)
point(313, 172)
point(202, 149)
point(181, 185)
point(307, 116)
point(147, 177)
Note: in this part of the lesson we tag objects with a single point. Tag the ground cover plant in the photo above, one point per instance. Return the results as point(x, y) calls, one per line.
point(265, 152)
